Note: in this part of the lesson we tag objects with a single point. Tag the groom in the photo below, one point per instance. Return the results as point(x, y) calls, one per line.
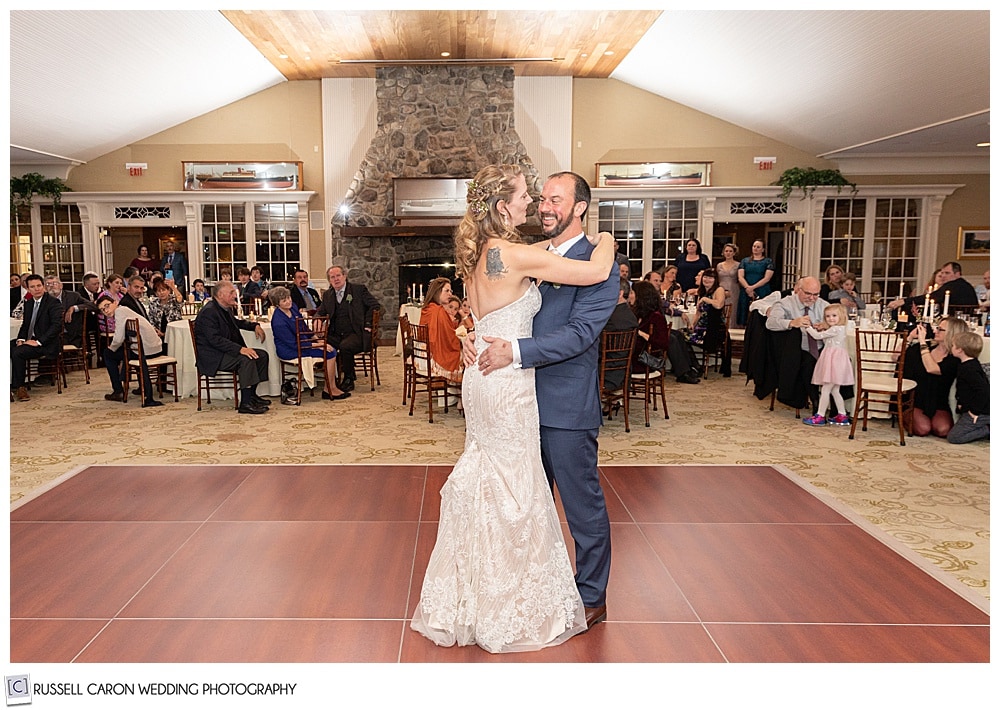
point(564, 351)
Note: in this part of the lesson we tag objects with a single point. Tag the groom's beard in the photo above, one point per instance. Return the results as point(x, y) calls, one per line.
point(558, 228)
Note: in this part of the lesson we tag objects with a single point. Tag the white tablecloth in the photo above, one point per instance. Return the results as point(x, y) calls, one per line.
point(413, 314)
point(178, 339)
point(15, 327)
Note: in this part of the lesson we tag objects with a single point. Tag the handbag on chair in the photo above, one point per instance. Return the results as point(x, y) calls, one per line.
point(653, 362)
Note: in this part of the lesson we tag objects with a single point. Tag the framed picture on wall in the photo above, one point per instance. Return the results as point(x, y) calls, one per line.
point(973, 243)
point(242, 176)
point(653, 174)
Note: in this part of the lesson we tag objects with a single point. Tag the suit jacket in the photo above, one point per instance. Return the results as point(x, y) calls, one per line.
point(249, 292)
point(134, 305)
point(565, 345)
point(300, 301)
point(48, 323)
point(622, 318)
point(360, 305)
point(180, 269)
point(74, 329)
point(217, 332)
point(962, 294)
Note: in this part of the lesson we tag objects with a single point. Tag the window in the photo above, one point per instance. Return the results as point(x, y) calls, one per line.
point(62, 244)
point(224, 241)
point(650, 232)
point(20, 241)
point(276, 240)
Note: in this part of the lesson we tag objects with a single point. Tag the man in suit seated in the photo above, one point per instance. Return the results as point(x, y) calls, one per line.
point(115, 355)
point(622, 318)
point(792, 313)
point(306, 298)
point(38, 335)
point(350, 308)
point(961, 292)
point(248, 291)
point(221, 347)
point(135, 291)
point(74, 310)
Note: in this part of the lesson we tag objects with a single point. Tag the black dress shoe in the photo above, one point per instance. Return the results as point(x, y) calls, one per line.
point(595, 615)
point(260, 401)
point(347, 385)
point(152, 403)
point(251, 409)
point(115, 396)
point(687, 379)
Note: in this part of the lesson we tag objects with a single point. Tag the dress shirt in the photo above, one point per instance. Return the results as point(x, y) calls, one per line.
point(788, 309)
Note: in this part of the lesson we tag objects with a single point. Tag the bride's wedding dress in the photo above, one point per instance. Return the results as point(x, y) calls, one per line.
point(500, 575)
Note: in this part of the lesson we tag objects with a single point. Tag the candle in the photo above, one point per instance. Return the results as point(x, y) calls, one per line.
point(256, 305)
point(927, 304)
point(947, 299)
point(900, 289)
point(421, 293)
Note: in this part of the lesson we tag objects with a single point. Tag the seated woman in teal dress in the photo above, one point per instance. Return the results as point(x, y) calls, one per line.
point(284, 327)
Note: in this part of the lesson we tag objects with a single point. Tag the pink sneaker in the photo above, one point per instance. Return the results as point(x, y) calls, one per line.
point(841, 420)
point(815, 420)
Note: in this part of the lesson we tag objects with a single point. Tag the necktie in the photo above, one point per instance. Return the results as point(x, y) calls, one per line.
point(307, 297)
point(340, 295)
point(34, 314)
point(813, 345)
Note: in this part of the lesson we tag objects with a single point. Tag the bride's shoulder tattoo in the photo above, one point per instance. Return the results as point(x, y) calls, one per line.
point(495, 268)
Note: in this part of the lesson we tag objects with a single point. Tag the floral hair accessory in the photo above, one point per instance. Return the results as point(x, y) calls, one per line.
point(478, 195)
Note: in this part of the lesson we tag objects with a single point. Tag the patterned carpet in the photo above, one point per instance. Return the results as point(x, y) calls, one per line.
point(929, 495)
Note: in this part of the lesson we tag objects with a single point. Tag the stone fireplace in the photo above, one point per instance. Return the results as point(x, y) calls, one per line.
point(433, 121)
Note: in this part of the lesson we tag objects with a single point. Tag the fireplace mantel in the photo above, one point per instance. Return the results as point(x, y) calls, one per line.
point(422, 230)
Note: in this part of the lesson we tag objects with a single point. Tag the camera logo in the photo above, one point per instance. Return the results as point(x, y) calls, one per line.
point(18, 689)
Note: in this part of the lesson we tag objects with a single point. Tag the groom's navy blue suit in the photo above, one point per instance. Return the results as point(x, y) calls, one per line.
point(564, 352)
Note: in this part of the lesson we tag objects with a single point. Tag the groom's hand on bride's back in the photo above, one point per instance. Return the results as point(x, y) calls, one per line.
point(498, 355)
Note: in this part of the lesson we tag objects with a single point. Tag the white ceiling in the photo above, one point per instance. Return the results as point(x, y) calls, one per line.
point(848, 85)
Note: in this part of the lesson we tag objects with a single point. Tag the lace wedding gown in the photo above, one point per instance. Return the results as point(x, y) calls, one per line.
point(500, 575)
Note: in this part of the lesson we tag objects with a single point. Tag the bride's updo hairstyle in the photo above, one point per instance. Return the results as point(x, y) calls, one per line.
point(482, 220)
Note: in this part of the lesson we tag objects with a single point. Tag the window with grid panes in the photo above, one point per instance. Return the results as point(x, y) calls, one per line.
point(224, 238)
point(843, 238)
point(624, 220)
point(62, 243)
point(894, 245)
point(674, 222)
point(20, 240)
point(276, 240)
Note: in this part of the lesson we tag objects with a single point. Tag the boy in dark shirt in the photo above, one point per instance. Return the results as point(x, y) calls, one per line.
point(972, 390)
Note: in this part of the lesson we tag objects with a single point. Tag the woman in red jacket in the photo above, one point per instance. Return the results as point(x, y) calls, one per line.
point(446, 348)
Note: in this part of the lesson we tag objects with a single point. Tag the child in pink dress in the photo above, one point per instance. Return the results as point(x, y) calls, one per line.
point(833, 368)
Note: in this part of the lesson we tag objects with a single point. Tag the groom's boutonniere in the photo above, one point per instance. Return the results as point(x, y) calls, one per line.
point(350, 297)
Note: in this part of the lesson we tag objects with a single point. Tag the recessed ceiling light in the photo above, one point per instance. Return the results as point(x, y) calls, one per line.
point(983, 145)
point(282, 56)
point(445, 54)
point(608, 53)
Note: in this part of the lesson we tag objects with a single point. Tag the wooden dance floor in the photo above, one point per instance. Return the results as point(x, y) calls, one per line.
point(324, 563)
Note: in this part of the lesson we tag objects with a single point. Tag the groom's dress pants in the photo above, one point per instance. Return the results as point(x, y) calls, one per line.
point(570, 460)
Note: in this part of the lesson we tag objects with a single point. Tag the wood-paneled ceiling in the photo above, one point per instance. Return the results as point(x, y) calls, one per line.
point(313, 44)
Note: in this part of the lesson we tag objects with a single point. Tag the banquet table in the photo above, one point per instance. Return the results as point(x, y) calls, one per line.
point(412, 312)
point(178, 340)
point(15, 327)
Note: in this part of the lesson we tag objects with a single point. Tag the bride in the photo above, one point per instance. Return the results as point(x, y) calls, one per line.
point(500, 575)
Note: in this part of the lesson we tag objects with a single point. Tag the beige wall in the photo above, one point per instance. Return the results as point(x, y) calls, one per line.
point(282, 123)
point(612, 122)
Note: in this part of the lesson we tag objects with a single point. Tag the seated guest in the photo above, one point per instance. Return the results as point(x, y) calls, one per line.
point(38, 336)
point(983, 291)
point(622, 318)
point(652, 334)
point(453, 306)
point(164, 308)
point(972, 391)
point(465, 316)
point(135, 294)
point(16, 292)
point(115, 355)
point(655, 278)
point(960, 292)
point(793, 313)
point(669, 287)
point(930, 363)
point(285, 330)
point(221, 347)
point(913, 305)
point(248, 291)
point(74, 310)
point(847, 295)
point(351, 308)
point(114, 286)
point(446, 348)
point(304, 296)
point(708, 330)
point(200, 293)
point(257, 278)
point(834, 282)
